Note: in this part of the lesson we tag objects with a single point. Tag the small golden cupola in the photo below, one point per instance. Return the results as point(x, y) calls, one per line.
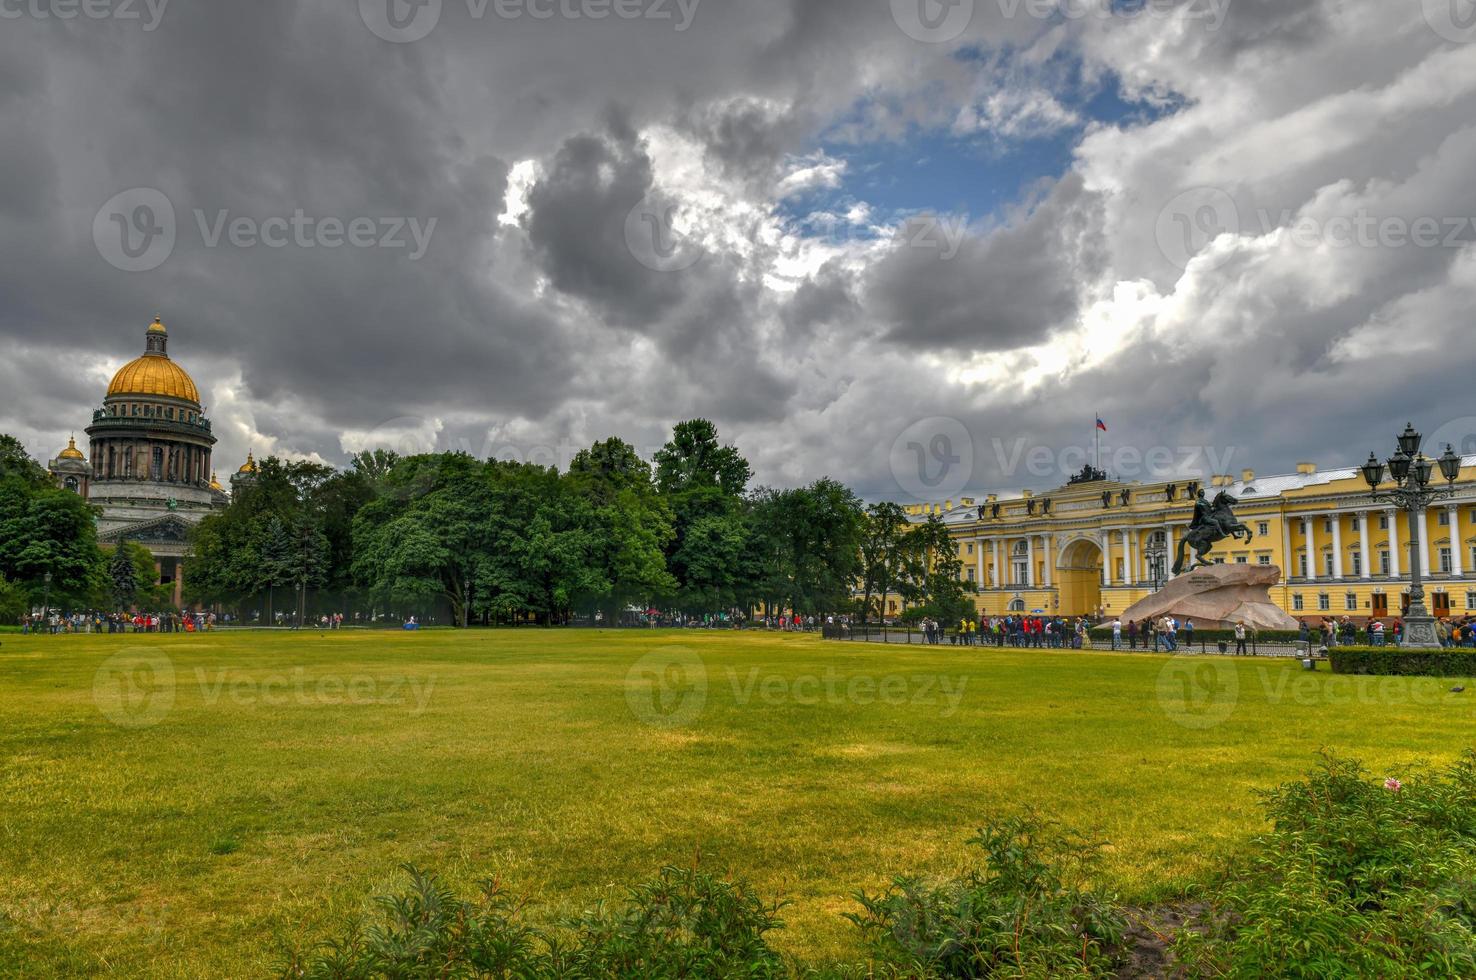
point(71, 452)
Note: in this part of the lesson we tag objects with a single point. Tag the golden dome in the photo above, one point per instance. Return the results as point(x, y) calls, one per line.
point(249, 466)
point(154, 374)
point(214, 483)
point(157, 326)
point(71, 452)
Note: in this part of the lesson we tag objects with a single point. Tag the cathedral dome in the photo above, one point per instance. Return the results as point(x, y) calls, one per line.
point(154, 373)
point(71, 452)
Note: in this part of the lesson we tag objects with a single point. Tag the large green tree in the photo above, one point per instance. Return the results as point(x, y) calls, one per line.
point(703, 483)
point(631, 524)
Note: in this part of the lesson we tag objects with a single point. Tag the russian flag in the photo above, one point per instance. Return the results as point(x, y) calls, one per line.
point(1101, 425)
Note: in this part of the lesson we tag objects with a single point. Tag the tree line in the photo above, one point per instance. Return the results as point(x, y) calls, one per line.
point(491, 541)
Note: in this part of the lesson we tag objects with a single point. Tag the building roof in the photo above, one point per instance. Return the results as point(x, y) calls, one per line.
point(154, 374)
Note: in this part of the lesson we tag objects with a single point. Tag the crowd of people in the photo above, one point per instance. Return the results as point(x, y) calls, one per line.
point(1053, 632)
point(118, 622)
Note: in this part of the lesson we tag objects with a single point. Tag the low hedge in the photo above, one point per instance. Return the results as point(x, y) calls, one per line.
point(1390, 660)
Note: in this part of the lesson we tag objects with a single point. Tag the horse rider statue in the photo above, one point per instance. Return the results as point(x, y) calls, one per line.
point(1213, 522)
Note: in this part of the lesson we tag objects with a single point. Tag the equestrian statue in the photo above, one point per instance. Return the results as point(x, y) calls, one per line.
point(1213, 522)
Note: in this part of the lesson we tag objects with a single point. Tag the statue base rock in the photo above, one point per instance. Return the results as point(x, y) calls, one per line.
point(1218, 597)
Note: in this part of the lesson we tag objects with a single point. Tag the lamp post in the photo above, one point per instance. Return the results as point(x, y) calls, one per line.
point(46, 603)
point(1157, 559)
point(1411, 471)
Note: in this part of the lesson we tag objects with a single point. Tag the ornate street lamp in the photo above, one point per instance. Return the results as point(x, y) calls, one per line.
point(1412, 493)
point(1157, 560)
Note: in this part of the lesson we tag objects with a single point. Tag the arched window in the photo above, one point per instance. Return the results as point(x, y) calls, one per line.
point(72, 484)
point(1017, 605)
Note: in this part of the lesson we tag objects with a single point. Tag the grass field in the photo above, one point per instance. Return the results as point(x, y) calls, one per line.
point(187, 825)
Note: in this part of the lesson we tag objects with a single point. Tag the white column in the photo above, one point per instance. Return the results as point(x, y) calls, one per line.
point(1364, 555)
point(1393, 516)
point(1337, 526)
point(1049, 548)
point(1168, 561)
point(1030, 560)
point(1287, 557)
point(1455, 539)
point(979, 563)
point(1424, 542)
point(1104, 540)
point(1127, 557)
point(1000, 578)
point(1308, 542)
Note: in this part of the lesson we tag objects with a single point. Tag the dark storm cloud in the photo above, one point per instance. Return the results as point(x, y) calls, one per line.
point(941, 285)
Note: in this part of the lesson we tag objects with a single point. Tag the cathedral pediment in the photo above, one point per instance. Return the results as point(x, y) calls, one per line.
point(169, 529)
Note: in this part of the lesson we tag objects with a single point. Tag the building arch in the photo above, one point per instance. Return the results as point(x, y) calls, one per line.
point(1079, 572)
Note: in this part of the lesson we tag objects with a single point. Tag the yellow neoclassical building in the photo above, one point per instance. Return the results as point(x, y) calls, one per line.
point(1094, 546)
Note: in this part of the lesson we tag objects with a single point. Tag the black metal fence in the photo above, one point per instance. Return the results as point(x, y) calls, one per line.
point(1199, 647)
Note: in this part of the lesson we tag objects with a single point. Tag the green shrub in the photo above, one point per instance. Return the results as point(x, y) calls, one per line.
point(1450, 662)
point(685, 923)
point(1358, 877)
point(1025, 913)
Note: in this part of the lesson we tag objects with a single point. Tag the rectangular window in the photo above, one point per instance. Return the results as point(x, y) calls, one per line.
point(1302, 564)
point(1327, 564)
point(1445, 563)
point(1350, 601)
point(1264, 528)
point(1383, 522)
point(1323, 602)
point(1471, 600)
point(1357, 563)
point(1263, 560)
point(1443, 518)
point(971, 575)
point(1383, 563)
point(1297, 601)
point(1327, 525)
point(969, 549)
point(1353, 523)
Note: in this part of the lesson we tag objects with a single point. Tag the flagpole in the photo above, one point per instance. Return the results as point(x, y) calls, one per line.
point(1097, 431)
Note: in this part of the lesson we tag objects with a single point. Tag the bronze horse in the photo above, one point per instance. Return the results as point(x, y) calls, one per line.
point(1218, 525)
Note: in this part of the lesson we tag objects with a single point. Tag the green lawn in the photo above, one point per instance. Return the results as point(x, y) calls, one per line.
point(186, 829)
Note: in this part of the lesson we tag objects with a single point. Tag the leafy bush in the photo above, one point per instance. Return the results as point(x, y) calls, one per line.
point(685, 923)
point(1358, 877)
point(1026, 913)
point(1451, 662)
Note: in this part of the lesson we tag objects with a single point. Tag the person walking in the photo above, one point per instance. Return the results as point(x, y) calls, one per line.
point(1116, 634)
point(1240, 650)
